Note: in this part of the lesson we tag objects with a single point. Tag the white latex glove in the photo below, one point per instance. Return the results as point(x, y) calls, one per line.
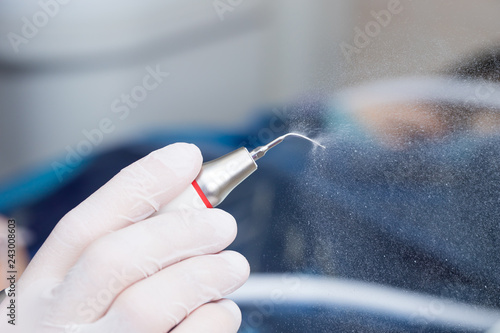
point(107, 267)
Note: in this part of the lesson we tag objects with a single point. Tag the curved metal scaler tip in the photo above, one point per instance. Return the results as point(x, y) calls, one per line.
point(262, 150)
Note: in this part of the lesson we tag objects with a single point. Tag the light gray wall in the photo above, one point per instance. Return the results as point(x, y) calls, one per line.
point(66, 78)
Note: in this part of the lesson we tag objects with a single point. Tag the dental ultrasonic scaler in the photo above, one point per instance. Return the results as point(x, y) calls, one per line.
point(219, 177)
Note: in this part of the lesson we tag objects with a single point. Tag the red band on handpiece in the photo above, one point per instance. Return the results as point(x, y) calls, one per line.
point(201, 194)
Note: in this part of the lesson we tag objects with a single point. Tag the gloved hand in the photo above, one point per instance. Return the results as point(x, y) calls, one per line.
point(107, 267)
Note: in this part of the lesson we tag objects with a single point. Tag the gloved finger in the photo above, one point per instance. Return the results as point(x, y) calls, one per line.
point(223, 316)
point(157, 304)
point(132, 195)
point(118, 260)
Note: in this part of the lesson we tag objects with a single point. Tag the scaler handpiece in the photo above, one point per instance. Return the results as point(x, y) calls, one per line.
point(219, 177)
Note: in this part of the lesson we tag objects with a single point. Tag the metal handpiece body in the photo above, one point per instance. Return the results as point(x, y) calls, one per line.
point(215, 181)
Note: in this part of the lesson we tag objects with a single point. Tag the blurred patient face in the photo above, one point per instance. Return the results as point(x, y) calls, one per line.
point(398, 126)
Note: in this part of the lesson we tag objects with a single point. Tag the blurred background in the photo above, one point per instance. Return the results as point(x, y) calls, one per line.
point(61, 72)
point(85, 79)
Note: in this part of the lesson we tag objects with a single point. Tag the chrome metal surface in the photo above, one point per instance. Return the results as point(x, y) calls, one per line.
point(220, 176)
